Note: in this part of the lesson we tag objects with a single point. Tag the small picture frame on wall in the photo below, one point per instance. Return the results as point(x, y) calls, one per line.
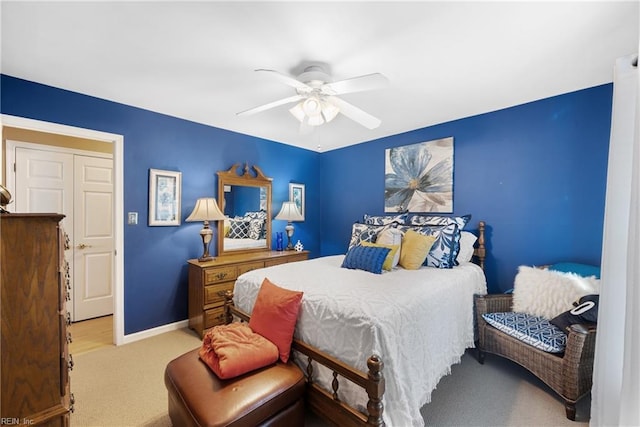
point(296, 195)
point(164, 197)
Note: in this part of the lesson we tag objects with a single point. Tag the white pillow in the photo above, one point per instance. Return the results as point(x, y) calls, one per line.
point(391, 236)
point(547, 293)
point(467, 240)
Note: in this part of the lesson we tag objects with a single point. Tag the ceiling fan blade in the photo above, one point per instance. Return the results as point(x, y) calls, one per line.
point(273, 104)
point(356, 84)
point(288, 80)
point(354, 113)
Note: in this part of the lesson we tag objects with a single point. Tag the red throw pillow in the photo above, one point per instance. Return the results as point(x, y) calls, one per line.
point(275, 314)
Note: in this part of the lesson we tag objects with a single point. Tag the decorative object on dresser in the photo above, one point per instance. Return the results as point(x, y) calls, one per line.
point(34, 339)
point(246, 202)
point(289, 212)
point(5, 199)
point(208, 282)
point(164, 197)
point(206, 210)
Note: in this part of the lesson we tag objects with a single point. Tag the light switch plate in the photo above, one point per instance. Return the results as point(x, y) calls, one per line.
point(132, 218)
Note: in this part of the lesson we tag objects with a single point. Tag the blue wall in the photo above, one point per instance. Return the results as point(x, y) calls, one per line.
point(155, 269)
point(536, 173)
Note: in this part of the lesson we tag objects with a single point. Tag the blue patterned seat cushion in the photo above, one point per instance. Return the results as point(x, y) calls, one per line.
point(534, 330)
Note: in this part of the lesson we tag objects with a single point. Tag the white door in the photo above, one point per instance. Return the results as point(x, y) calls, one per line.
point(94, 237)
point(76, 186)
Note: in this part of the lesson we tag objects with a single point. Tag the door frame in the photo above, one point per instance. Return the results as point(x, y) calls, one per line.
point(10, 178)
point(118, 190)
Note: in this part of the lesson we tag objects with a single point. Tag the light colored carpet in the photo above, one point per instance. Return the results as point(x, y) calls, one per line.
point(124, 386)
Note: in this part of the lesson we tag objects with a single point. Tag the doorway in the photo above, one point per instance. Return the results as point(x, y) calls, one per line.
point(12, 125)
point(79, 184)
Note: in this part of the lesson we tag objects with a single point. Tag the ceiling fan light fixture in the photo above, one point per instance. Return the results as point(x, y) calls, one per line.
point(311, 106)
point(316, 120)
point(298, 112)
point(329, 111)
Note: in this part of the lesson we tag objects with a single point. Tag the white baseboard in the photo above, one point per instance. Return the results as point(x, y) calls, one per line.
point(148, 333)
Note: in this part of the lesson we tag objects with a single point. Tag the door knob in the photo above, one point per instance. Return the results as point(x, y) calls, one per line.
point(82, 246)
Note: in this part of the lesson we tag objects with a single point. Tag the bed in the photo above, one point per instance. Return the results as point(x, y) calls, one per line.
point(410, 325)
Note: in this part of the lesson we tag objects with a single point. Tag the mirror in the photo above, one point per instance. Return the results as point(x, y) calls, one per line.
point(245, 199)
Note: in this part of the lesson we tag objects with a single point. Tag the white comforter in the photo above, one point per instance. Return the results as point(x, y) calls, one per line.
point(419, 321)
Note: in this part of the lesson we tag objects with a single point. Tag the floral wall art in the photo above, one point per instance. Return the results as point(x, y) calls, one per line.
point(419, 177)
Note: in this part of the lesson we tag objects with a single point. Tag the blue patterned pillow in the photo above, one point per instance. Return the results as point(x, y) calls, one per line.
point(385, 219)
point(534, 330)
point(367, 258)
point(255, 228)
point(445, 249)
point(460, 221)
point(364, 233)
point(238, 229)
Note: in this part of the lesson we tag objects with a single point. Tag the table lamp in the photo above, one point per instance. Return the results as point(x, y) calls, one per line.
point(289, 212)
point(206, 210)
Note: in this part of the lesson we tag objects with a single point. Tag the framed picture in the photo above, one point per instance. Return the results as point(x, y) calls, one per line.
point(296, 195)
point(164, 197)
point(419, 177)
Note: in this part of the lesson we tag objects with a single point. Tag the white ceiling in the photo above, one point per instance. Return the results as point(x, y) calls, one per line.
point(195, 60)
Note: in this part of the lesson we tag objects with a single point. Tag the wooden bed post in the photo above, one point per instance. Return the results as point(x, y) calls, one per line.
point(481, 251)
point(375, 390)
point(228, 303)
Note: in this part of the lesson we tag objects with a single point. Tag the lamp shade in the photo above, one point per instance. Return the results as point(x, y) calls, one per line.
point(289, 212)
point(206, 209)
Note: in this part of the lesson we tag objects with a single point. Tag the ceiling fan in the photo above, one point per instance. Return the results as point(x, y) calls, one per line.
point(316, 97)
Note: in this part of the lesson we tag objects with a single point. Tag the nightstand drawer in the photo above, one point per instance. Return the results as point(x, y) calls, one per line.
point(214, 294)
point(221, 274)
point(213, 317)
point(250, 266)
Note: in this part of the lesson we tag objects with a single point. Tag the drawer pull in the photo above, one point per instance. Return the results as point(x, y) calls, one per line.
point(221, 275)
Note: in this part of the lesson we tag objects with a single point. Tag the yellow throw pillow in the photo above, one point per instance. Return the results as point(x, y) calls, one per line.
point(388, 261)
point(415, 248)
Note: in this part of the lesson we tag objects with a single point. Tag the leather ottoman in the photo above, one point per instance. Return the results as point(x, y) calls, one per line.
point(271, 396)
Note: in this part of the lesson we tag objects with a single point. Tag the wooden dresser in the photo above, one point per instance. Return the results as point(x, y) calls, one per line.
point(35, 355)
point(209, 280)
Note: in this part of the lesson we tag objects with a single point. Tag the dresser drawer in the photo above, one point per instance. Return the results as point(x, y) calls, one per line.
point(220, 274)
point(250, 266)
point(213, 317)
point(214, 294)
point(290, 258)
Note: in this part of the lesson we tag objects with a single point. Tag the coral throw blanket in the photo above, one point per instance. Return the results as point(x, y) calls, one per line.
point(234, 349)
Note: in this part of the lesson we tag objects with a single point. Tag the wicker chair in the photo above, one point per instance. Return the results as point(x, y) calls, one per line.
point(569, 374)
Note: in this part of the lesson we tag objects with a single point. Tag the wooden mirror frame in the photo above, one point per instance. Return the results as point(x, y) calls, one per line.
point(246, 179)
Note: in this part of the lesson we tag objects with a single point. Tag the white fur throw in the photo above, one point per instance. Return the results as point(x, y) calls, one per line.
point(547, 293)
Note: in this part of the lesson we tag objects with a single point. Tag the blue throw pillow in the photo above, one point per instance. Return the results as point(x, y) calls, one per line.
point(583, 270)
point(445, 249)
point(367, 258)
